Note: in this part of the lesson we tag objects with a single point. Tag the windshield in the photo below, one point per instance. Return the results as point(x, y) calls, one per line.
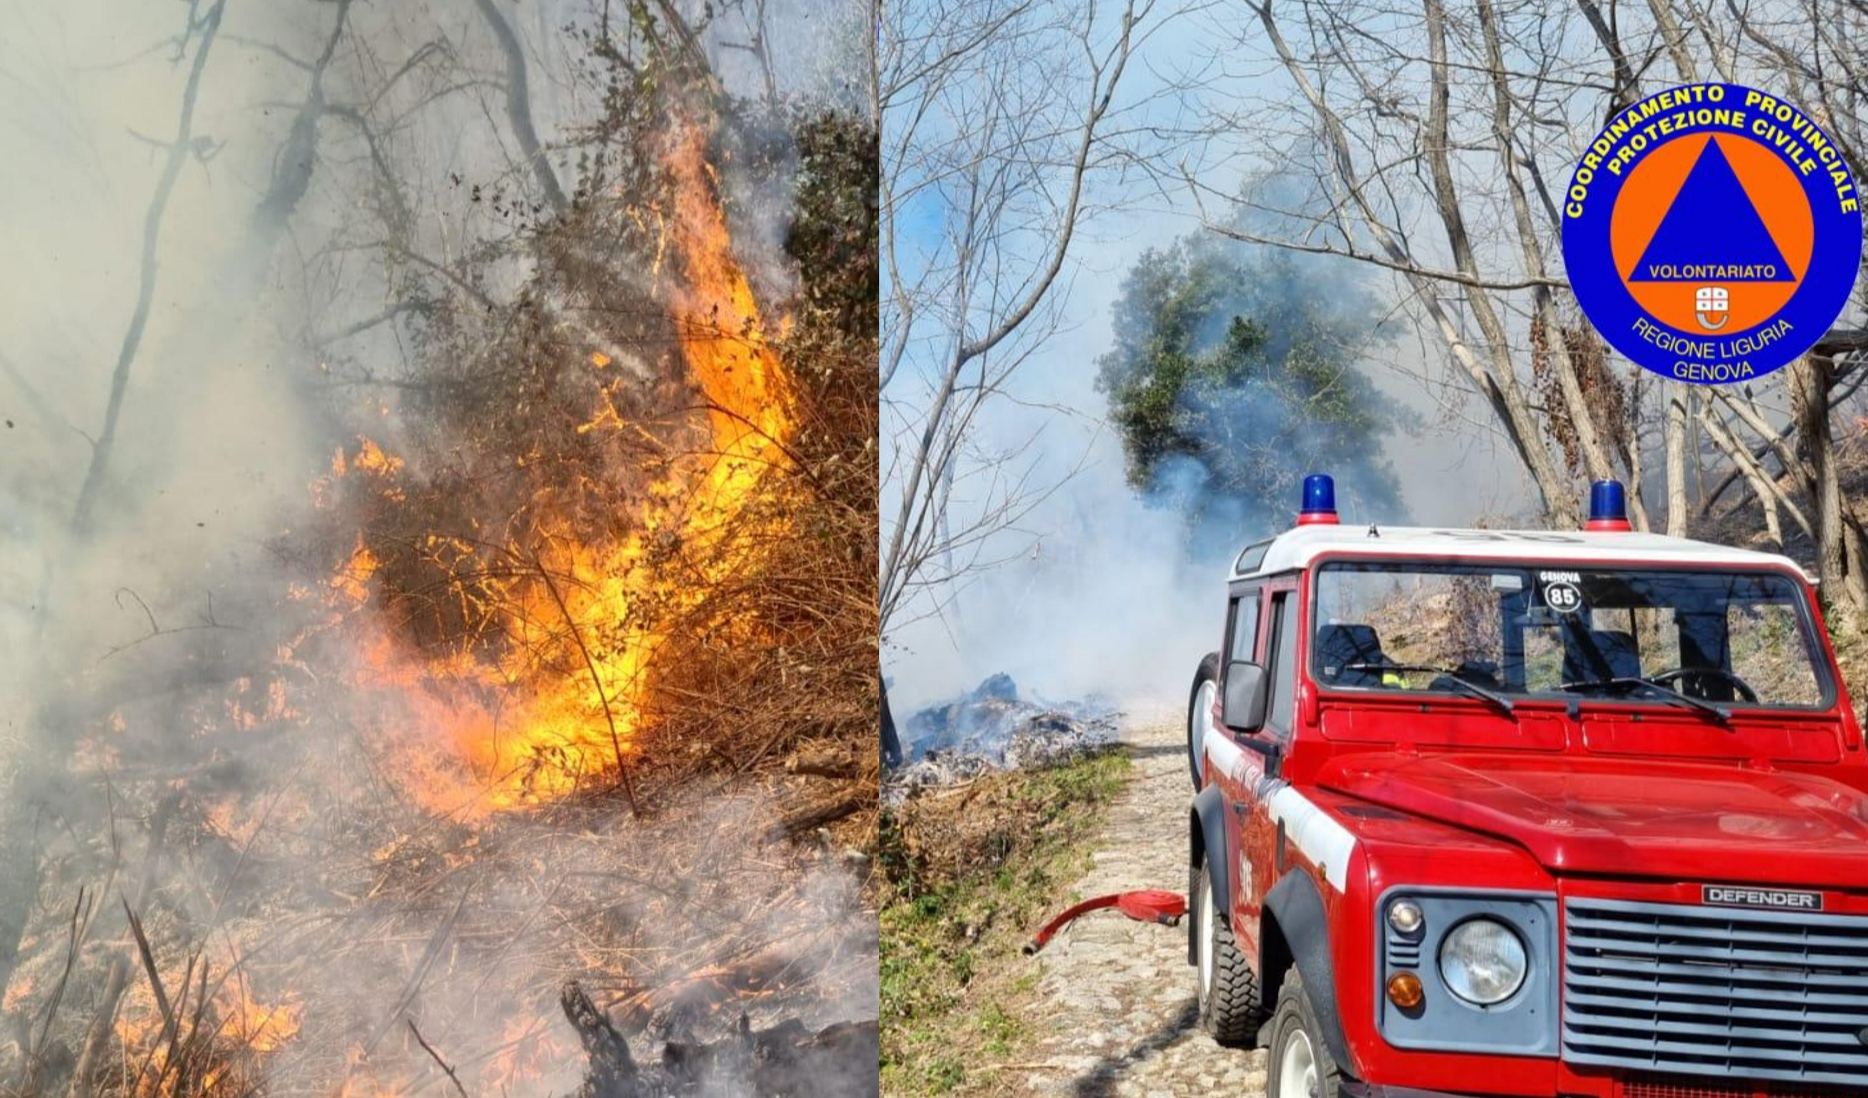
point(1567, 630)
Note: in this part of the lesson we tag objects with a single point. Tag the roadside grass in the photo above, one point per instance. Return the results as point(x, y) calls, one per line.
point(971, 872)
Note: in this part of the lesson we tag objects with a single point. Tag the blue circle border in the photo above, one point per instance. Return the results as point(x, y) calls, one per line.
point(1835, 258)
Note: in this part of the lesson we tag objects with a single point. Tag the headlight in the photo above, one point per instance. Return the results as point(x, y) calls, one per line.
point(1483, 961)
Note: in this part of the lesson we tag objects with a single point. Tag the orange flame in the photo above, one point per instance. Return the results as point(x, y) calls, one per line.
point(563, 706)
point(718, 318)
point(223, 1052)
point(255, 1025)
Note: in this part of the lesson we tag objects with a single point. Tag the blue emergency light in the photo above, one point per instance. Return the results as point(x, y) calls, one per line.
point(1319, 501)
point(1608, 506)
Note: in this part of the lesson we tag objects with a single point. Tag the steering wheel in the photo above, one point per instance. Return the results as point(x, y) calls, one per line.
point(1744, 688)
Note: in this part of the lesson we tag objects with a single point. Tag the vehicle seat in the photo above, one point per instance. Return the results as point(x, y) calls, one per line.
point(1339, 646)
point(1703, 652)
point(1595, 654)
point(1477, 672)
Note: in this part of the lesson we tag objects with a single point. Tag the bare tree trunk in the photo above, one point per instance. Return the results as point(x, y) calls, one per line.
point(1494, 377)
point(1853, 546)
point(891, 739)
point(1581, 417)
point(1676, 460)
point(1808, 381)
point(1627, 84)
point(1631, 442)
point(178, 152)
point(1770, 496)
point(1446, 197)
point(1675, 40)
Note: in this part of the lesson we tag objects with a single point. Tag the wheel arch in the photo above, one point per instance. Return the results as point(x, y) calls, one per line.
point(1294, 931)
point(1208, 671)
point(1206, 833)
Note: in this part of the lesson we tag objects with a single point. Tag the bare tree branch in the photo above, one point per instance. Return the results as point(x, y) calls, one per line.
point(179, 151)
point(519, 105)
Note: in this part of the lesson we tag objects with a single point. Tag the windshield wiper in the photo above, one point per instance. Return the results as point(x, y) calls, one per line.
point(1451, 674)
point(1717, 712)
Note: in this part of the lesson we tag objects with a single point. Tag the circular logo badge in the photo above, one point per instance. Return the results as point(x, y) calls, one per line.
point(1712, 233)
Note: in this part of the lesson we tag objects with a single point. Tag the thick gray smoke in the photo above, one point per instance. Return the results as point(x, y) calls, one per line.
point(1117, 591)
point(1097, 595)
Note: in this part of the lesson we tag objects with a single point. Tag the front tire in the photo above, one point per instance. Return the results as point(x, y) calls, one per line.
point(1300, 1064)
point(1229, 1006)
point(1200, 715)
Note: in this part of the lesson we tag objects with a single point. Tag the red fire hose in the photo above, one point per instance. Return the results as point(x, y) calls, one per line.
point(1144, 906)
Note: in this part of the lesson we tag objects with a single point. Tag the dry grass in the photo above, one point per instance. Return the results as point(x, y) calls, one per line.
point(971, 871)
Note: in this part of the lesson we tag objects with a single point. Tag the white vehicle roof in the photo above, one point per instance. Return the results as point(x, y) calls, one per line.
point(1299, 547)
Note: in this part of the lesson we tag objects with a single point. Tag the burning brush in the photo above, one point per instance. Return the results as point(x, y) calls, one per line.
point(375, 854)
point(540, 664)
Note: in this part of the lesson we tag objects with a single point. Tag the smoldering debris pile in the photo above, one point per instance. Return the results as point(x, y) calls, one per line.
point(785, 1061)
point(994, 728)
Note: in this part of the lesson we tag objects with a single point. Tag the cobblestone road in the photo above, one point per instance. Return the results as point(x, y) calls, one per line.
point(1117, 1008)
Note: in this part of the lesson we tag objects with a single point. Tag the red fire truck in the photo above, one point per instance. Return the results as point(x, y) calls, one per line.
point(1557, 813)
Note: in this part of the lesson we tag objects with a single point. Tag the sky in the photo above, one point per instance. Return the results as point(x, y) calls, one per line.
point(1097, 596)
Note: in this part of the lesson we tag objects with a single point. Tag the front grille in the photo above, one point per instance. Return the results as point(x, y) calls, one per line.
point(1716, 991)
point(1403, 951)
point(1701, 1088)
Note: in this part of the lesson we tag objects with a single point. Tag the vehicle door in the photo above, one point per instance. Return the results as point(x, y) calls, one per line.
point(1251, 835)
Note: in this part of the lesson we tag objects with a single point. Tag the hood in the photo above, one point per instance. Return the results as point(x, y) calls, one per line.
point(1670, 820)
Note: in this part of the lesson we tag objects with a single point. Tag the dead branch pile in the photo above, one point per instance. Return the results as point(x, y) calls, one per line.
point(783, 1061)
point(993, 728)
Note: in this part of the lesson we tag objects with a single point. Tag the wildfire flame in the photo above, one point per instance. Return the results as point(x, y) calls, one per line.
point(557, 704)
point(564, 704)
point(215, 1055)
point(255, 1025)
point(721, 335)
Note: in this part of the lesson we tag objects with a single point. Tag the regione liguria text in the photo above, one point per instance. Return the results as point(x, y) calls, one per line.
point(1712, 233)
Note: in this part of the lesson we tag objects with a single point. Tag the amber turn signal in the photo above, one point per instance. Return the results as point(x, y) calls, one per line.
point(1404, 990)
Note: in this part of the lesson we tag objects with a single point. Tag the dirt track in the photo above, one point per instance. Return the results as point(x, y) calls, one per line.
point(1116, 998)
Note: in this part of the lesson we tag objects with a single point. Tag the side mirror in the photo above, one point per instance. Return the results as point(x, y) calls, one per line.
point(1243, 706)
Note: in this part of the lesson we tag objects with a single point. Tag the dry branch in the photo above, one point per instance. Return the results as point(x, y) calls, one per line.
point(178, 152)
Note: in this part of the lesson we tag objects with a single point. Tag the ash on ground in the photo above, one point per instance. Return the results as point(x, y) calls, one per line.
point(994, 728)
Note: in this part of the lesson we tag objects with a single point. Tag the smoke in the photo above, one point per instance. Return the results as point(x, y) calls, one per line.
point(1117, 590)
point(207, 413)
point(156, 747)
point(1278, 349)
point(1097, 595)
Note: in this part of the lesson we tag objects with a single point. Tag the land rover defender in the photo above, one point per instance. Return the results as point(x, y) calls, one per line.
point(1551, 813)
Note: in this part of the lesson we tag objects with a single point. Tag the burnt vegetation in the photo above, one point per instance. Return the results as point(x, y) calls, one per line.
point(561, 665)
